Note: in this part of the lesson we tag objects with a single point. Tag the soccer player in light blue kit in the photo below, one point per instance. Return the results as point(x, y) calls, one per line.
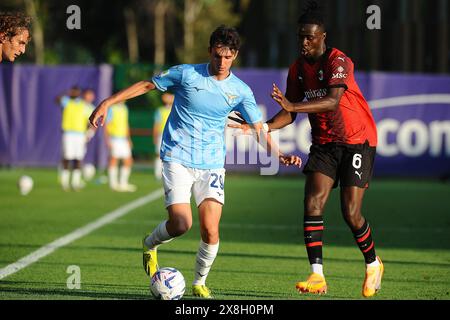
point(193, 147)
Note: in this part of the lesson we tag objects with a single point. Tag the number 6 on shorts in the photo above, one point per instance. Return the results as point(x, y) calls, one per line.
point(357, 161)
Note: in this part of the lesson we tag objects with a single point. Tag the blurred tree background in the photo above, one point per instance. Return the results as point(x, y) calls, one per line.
point(414, 35)
point(142, 37)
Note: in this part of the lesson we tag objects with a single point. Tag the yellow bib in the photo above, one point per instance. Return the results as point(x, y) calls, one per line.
point(118, 123)
point(75, 116)
point(164, 112)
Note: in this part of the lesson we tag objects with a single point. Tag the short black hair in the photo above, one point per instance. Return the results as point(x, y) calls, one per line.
point(74, 91)
point(312, 14)
point(225, 36)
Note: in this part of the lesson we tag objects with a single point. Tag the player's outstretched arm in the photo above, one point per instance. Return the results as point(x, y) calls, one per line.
point(132, 91)
point(328, 103)
point(280, 120)
point(264, 138)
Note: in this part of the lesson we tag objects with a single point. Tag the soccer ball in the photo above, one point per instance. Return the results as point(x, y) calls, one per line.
point(25, 185)
point(88, 171)
point(167, 284)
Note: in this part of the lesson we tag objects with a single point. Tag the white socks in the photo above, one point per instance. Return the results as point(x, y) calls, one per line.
point(76, 178)
point(205, 258)
point(117, 180)
point(158, 236)
point(317, 268)
point(113, 177)
point(124, 175)
point(373, 264)
point(65, 178)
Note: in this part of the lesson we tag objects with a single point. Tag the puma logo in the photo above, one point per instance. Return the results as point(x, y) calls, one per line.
point(358, 174)
point(341, 58)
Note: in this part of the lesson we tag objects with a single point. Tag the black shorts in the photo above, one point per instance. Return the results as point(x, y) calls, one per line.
point(347, 164)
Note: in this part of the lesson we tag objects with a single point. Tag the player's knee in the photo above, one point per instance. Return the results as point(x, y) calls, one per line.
point(210, 235)
point(314, 204)
point(179, 227)
point(128, 162)
point(113, 162)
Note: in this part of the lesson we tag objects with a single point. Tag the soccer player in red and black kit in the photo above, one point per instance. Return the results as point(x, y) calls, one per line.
point(344, 139)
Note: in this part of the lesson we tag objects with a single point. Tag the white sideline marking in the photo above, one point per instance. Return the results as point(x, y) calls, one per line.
point(78, 233)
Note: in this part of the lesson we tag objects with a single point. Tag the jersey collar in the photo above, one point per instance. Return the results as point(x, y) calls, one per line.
point(212, 77)
point(322, 58)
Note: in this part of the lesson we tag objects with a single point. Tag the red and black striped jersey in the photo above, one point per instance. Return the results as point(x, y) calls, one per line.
point(352, 122)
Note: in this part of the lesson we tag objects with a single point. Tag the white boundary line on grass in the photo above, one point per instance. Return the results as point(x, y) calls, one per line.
point(78, 233)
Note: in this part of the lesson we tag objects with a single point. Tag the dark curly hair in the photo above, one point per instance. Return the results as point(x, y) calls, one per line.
point(312, 14)
point(11, 23)
point(225, 37)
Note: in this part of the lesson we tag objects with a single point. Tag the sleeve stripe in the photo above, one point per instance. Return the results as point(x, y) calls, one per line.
point(157, 85)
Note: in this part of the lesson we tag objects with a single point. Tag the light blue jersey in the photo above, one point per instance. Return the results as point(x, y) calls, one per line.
point(195, 131)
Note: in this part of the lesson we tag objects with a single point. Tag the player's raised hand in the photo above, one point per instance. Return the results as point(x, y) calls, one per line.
point(98, 115)
point(279, 97)
point(291, 160)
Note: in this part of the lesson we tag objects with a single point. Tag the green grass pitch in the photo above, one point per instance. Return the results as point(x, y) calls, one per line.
point(261, 252)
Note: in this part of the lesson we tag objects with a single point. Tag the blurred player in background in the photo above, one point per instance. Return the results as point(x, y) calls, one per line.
point(88, 169)
point(76, 133)
point(160, 119)
point(117, 137)
point(193, 148)
point(88, 97)
point(344, 139)
point(14, 35)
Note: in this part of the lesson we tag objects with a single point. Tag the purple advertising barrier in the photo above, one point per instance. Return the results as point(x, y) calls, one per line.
point(412, 113)
point(30, 118)
point(413, 122)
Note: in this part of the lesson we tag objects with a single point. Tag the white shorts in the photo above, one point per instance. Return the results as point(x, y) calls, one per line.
point(179, 181)
point(120, 148)
point(73, 145)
